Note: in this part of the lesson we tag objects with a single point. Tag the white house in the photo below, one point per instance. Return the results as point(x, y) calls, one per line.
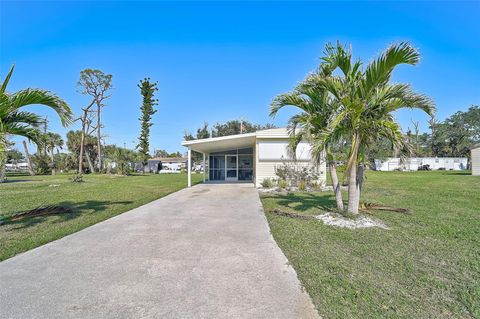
point(250, 157)
point(476, 160)
point(413, 163)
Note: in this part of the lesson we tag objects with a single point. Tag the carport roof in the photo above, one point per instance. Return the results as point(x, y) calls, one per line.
point(223, 143)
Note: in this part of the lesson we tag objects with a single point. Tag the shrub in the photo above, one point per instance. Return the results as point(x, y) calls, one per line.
point(302, 185)
point(282, 184)
point(294, 174)
point(267, 183)
point(77, 178)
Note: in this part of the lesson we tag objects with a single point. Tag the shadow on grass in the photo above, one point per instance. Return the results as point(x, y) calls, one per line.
point(8, 181)
point(457, 173)
point(305, 201)
point(76, 209)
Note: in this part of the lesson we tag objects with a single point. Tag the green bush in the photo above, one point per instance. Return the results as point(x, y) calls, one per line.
point(77, 178)
point(295, 173)
point(282, 183)
point(302, 186)
point(267, 183)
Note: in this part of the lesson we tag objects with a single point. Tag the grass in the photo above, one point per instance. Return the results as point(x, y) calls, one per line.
point(98, 198)
point(426, 266)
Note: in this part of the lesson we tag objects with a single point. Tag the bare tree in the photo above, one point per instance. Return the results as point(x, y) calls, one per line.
point(416, 128)
point(96, 84)
point(27, 157)
point(86, 120)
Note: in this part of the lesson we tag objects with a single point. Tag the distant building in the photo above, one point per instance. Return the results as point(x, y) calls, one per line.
point(476, 160)
point(416, 163)
point(167, 164)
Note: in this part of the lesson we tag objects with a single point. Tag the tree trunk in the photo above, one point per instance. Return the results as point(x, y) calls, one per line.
point(3, 161)
point(360, 170)
point(336, 186)
point(90, 165)
point(52, 161)
point(360, 175)
point(353, 193)
point(82, 142)
point(99, 143)
point(27, 157)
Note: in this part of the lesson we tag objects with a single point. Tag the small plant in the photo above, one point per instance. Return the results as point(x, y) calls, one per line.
point(302, 186)
point(77, 178)
point(267, 183)
point(282, 184)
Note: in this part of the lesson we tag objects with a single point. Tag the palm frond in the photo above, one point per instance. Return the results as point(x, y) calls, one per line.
point(27, 118)
point(43, 97)
point(380, 69)
point(21, 129)
point(3, 88)
point(288, 99)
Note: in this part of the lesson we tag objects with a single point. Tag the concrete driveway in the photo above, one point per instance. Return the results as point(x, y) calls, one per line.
point(203, 252)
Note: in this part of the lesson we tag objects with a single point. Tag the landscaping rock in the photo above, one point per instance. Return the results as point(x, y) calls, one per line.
point(361, 221)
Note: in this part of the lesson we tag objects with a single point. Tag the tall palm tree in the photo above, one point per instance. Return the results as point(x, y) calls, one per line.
point(14, 121)
point(365, 101)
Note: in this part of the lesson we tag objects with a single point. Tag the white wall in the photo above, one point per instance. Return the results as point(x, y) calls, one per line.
point(476, 161)
point(270, 153)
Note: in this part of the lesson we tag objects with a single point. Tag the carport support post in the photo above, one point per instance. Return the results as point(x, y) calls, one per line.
point(189, 167)
point(204, 167)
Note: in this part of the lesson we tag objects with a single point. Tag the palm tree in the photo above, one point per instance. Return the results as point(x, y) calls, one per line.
point(365, 101)
point(53, 141)
point(318, 109)
point(14, 121)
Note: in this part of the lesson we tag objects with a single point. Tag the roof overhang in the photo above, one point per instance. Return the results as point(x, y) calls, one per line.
point(223, 143)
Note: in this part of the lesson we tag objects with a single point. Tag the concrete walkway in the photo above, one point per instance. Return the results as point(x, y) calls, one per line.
point(203, 252)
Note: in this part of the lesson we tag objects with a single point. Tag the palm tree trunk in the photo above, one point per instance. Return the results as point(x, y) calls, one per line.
point(27, 157)
point(360, 174)
point(353, 192)
point(3, 161)
point(336, 186)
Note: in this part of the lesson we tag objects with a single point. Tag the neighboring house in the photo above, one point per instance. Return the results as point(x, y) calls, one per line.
point(16, 166)
point(249, 157)
point(414, 163)
point(476, 160)
point(166, 164)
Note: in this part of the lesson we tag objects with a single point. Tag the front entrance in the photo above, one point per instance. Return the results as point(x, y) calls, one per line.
point(231, 166)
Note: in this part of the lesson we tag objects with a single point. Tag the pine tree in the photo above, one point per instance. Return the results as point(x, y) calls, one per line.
point(147, 90)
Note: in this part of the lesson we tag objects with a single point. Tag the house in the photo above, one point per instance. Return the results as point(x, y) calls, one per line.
point(476, 160)
point(166, 164)
point(414, 163)
point(249, 157)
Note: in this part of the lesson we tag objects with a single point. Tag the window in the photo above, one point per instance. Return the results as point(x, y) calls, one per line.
point(278, 150)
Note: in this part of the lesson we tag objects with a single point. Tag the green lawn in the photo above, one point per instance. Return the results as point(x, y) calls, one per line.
point(98, 198)
point(426, 266)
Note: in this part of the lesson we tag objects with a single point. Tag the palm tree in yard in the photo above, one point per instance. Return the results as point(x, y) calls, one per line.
point(365, 100)
point(318, 109)
point(14, 121)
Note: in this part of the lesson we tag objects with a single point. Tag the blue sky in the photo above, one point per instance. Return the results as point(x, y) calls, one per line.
point(217, 61)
